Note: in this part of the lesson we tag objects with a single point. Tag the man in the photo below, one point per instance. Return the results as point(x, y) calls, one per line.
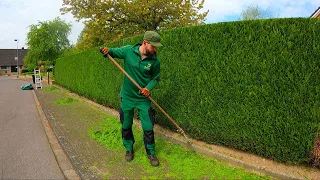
point(142, 64)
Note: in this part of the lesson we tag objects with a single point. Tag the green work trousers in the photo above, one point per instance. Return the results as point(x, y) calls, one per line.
point(146, 115)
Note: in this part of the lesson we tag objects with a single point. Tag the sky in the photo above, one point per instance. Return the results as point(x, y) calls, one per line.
point(16, 16)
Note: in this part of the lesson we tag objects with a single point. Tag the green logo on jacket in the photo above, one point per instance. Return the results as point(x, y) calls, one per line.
point(147, 67)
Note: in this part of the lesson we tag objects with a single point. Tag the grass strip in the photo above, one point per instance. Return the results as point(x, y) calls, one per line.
point(176, 162)
point(50, 88)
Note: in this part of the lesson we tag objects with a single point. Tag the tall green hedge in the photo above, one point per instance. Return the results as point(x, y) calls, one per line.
point(251, 85)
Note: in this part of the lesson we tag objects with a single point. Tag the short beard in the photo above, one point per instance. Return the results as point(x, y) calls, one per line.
point(148, 53)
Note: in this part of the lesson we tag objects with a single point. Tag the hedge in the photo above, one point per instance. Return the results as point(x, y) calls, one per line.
point(251, 85)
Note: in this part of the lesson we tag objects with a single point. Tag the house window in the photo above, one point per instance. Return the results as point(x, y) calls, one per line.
point(4, 68)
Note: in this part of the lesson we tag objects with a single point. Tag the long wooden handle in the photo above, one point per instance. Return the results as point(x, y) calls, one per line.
point(156, 104)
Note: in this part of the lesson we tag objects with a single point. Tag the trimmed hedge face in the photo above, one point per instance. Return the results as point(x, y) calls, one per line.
point(252, 85)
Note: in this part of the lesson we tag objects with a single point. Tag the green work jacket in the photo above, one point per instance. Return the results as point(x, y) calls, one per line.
point(145, 72)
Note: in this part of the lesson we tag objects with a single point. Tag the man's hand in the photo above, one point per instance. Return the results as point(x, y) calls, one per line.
point(104, 50)
point(145, 92)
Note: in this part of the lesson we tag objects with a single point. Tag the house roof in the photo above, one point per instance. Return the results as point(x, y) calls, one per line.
point(316, 13)
point(7, 57)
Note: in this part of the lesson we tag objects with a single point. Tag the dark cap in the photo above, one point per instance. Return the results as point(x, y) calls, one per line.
point(153, 38)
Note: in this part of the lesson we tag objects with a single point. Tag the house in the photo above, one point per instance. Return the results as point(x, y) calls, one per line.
point(8, 62)
point(316, 14)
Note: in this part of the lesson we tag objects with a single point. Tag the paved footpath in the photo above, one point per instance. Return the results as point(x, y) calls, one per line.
point(25, 152)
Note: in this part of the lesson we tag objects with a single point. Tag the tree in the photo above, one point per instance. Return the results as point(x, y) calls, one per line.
point(46, 41)
point(112, 19)
point(255, 12)
point(90, 36)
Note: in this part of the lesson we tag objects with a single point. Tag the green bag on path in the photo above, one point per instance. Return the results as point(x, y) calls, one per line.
point(27, 87)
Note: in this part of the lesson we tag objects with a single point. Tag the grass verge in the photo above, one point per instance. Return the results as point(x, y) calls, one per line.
point(176, 162)
point(50, 88)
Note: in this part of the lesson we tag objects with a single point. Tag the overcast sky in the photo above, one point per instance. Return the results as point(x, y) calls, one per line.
point(18, 15)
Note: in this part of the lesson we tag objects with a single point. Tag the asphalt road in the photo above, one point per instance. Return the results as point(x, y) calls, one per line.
point(25, 152)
